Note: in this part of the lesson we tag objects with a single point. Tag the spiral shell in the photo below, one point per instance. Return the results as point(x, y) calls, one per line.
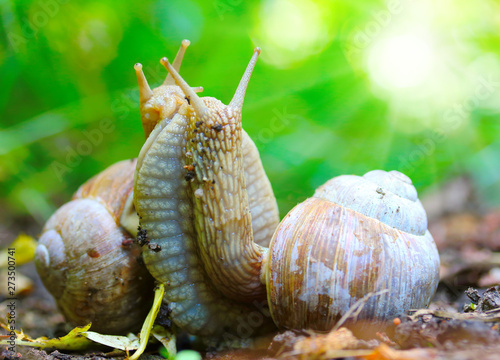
point(355, 236)
point(90, 263)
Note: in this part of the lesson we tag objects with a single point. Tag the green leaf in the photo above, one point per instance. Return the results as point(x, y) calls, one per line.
point(75, 340)
point(118, 342)
point(148, 323)
point(167, 338)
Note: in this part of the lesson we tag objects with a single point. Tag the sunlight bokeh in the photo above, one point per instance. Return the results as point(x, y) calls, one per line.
point(422, 61)
point(401, 61)
point(292, 30)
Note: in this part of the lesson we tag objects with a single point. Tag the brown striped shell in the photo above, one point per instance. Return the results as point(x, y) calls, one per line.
point(355, 236)
point(88, 260)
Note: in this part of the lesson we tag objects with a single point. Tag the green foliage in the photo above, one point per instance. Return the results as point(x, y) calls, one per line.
point(320, 103)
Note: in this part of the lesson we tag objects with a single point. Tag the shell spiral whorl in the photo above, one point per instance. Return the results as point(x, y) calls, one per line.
point(389, 197)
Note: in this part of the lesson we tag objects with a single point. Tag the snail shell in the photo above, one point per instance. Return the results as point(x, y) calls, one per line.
point(356, 235)
point(90, 263)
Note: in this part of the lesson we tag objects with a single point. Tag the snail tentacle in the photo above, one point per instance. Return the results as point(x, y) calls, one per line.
point(169, 80)
point(145, 92)
point(239, 95)
point(201, 110)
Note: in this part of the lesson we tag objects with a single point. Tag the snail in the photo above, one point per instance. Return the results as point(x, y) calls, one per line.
point(87, 258)
point(210, 231)
point(87, 255)
point(355, 236)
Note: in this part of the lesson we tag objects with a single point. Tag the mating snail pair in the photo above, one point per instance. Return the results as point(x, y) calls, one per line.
point(209, 229)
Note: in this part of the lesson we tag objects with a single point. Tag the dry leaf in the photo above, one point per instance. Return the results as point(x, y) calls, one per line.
point(327, 346)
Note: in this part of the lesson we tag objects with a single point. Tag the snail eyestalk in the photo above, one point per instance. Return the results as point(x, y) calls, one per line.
point(145, 92)
point(195, 100)
point(239, 96)
point(177, 62)
point(164, 101)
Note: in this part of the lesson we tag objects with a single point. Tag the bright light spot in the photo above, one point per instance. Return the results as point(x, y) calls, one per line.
point(430, 61)
point(401, 61)
point(291, 30)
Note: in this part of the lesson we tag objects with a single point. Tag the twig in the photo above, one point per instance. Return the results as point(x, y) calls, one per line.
point(357, 307)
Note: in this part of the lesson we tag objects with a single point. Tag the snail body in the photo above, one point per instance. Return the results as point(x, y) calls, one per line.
point(89, 261)
point(174, 186)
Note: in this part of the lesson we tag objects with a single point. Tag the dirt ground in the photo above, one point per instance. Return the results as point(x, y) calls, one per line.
point(463, 321)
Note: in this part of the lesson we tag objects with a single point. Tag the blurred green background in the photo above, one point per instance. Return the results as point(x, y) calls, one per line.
point(341, 87)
